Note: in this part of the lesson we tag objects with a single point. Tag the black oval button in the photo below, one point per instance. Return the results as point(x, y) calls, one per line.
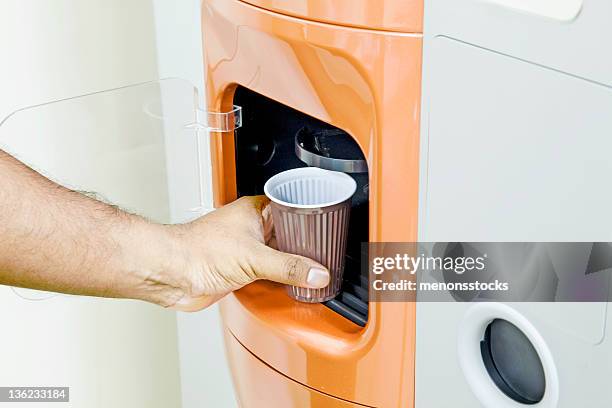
point(512, 362)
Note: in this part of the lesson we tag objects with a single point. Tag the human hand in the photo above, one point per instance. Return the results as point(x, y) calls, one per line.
point(226, 250)
point(56, 239)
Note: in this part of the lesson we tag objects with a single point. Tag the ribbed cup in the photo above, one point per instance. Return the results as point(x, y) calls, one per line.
point(310, 211)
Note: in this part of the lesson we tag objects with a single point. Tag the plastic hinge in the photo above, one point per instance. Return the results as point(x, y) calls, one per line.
point(217, 121)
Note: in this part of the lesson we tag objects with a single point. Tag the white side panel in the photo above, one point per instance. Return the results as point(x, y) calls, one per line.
point(580, 46)
point(583, 369)
point(512, 151)
point(516, 152)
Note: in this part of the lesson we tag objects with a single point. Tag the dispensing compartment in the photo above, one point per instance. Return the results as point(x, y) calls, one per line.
point(275, 138)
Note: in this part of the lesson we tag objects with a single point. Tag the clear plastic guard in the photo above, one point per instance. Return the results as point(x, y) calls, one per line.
point(139, 147)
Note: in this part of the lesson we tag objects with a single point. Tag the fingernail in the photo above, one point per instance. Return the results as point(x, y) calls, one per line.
point(317, 278)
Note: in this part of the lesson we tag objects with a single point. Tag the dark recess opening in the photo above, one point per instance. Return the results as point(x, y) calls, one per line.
point(265, 147)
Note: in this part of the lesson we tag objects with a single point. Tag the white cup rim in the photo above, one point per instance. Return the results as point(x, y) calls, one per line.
point(310, 172)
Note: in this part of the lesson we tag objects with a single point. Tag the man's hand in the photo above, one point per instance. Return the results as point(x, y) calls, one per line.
point(226, 249)
point(55, 239)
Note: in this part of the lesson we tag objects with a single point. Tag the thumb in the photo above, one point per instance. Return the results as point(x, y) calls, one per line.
point(289, 269)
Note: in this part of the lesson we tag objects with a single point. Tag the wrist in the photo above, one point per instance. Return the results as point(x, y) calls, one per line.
point(157, 263)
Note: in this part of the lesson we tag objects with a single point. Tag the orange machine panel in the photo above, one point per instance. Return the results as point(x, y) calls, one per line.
point(392, 15)
point(367, 83)
point(261, 386)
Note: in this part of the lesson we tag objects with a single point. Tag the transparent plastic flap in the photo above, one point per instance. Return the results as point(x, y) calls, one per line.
point(140, 147)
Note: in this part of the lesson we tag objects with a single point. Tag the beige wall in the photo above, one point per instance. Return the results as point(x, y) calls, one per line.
point(205, 377)
point(111, 353)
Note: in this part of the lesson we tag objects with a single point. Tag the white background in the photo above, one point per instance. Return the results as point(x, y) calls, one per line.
point(150, 357)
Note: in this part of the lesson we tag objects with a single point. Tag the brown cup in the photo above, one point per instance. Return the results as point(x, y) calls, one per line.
point(310, 211)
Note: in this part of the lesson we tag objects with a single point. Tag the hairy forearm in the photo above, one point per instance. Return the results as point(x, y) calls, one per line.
point(55, 239)
point(52, 238)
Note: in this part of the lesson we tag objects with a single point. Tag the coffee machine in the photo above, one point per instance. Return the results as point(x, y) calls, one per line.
point(334, 79)
point(477, 120)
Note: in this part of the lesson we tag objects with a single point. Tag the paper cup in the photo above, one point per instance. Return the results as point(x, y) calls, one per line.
point(310, 211)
